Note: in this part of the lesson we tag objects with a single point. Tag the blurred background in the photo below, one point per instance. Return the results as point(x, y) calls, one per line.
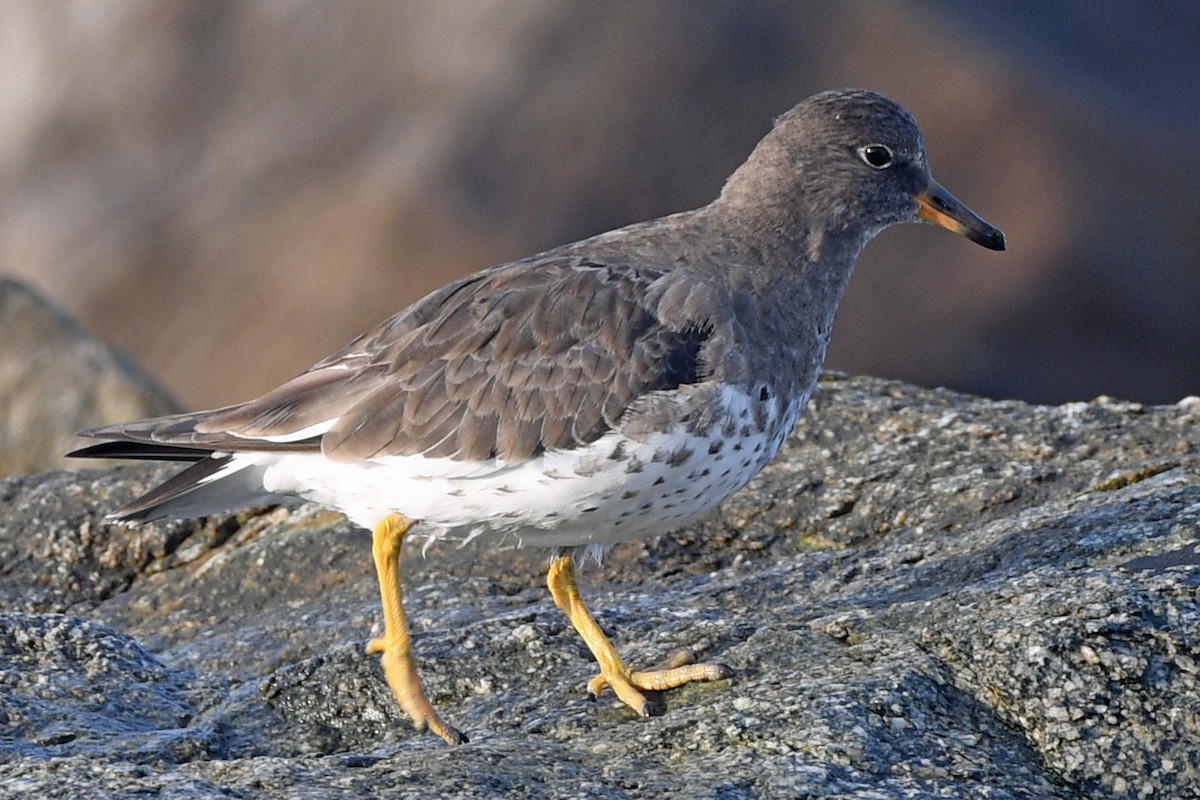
point(230, 191)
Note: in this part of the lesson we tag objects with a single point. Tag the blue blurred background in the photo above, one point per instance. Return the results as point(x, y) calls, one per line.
point(229, 191)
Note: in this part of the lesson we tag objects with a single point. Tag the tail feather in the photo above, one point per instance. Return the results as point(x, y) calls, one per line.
point(219, 479)
point(141, 451)
point(212, 485)
point(180, 432)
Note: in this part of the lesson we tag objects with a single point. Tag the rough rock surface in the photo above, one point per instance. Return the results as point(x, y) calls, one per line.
point(55, 380)
point(927, 595)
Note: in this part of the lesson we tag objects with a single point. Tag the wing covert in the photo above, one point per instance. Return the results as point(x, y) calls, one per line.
point(526, 358)
point(546, 353)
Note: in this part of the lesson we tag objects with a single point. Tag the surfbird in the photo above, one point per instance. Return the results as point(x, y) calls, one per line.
point(604, 390)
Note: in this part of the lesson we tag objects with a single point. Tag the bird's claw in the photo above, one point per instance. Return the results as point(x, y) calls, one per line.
point(675, 671)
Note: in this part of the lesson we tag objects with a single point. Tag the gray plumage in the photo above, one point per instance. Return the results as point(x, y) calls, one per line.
point(554, 351)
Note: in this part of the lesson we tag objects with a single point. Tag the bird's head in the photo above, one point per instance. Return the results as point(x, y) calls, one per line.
point(855, 160)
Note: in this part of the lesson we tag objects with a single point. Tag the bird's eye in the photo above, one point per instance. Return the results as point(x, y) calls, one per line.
point(878, 156)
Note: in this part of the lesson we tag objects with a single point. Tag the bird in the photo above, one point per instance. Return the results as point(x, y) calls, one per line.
point(598, 392)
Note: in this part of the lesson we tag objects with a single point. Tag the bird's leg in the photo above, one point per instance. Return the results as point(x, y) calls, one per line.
point(627, 684)
point(395, 644)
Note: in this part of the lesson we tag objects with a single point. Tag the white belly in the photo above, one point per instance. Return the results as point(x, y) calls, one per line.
point(612, 490)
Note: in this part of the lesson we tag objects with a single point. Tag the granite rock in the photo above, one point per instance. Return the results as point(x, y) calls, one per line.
point(55, 380)
point(926, 595)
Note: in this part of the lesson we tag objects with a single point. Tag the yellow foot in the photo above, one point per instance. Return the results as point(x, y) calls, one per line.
point(406, 688)
point(675, 671)
point(628, 685)
point(396, 644)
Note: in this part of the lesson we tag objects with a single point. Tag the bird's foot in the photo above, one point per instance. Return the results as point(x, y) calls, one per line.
point(676, 670)
point(406, 688)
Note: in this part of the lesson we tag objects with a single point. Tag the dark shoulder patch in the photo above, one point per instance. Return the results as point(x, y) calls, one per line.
point(682, 362)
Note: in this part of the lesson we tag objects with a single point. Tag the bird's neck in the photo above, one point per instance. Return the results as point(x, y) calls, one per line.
point(790, 281)
point(784, 252)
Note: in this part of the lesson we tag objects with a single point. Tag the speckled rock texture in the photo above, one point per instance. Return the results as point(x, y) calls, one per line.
point(55, 380)
point(926, 595)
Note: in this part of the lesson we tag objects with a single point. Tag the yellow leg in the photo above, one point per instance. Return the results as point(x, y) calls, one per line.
point(627, 685)
point(395, 643)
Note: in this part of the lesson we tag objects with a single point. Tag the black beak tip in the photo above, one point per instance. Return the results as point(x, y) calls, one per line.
point(992, 240)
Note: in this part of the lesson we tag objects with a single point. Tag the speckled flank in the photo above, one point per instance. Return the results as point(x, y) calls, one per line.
point(612, 490)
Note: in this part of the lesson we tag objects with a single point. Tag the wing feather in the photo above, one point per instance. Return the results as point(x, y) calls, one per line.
point(541, 354)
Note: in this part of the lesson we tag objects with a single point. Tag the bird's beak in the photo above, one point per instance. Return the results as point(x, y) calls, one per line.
point(938, 206)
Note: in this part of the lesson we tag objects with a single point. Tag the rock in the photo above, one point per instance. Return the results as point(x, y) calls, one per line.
point(56, 380)
point(926, 595)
